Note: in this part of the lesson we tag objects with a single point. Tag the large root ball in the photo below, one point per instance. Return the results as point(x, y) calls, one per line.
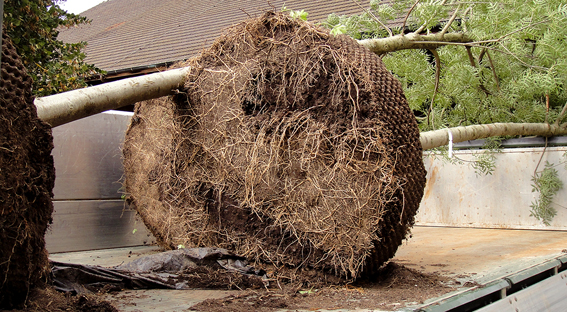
point(287, 145)
point(27, 177)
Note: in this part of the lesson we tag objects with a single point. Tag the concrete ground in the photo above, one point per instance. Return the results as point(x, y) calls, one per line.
point(468, 254)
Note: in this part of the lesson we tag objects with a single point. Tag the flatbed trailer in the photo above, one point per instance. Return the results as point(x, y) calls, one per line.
point(474, 231)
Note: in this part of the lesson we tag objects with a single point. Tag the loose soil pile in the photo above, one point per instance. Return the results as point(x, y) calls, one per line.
point(50, 300)
point(287, 145)
point(395, 288)
point(26, 182)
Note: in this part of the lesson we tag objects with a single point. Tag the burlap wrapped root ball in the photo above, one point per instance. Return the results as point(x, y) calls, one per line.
point(27, 177)
point(287, 145)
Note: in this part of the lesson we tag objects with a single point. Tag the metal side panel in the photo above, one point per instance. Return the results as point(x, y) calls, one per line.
point(469, 300)
point(541, 269)
point(456, 196)
point(549, 295)
point(88, 157)
point(94, 224)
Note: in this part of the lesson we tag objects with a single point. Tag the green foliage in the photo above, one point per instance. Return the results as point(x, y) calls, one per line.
point(295, 14)
point(299, 14)
point(513, 69)
point(485, 162)
point(520, 58)
point(547, 183)
point(53, 65)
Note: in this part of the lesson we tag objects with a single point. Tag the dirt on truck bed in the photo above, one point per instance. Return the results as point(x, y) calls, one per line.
point(395, 287)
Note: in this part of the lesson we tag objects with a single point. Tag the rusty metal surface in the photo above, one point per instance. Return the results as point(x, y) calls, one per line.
point(456, 196)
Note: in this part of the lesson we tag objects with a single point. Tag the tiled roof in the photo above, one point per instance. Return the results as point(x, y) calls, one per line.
point(128, 34)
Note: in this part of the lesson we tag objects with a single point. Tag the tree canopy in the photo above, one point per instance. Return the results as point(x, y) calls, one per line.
point(54, 66)
point(464, 63)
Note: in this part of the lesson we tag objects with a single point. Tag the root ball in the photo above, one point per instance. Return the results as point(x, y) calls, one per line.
point(287, 145)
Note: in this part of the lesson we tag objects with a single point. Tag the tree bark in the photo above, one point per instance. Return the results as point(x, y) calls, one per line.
point(413, 41)
point(437, 138)
point(65, 107)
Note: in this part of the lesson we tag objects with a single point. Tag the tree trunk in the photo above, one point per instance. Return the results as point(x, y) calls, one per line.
point(412, 41)
point(65, 107)
point(437, 138)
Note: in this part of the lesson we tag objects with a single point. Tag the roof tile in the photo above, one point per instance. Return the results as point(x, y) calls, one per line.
point(132, 33)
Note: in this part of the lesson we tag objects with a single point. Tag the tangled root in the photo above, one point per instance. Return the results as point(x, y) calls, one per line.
point(287, 145)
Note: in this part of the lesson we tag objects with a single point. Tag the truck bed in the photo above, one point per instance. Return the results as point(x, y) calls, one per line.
point(472, 259)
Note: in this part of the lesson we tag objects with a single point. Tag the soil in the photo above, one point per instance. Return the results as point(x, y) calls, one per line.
point(209, 278)
point(49, 300)
point(395, 287)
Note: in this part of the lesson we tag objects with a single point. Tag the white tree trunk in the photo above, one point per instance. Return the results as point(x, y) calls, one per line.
point(65, 107)
point(437, 138)
point(412, 41)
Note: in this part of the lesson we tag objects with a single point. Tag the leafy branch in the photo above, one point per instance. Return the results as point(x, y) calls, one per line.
point(53, 65)
point(489, 61)
point(547, 184)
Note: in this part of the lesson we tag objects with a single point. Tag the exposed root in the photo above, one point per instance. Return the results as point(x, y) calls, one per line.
point(287, 145)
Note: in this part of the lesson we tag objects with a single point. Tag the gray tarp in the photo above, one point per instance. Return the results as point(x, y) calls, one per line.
point(169, 270)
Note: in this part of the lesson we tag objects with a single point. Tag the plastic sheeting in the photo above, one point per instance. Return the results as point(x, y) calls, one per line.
point(165, 270)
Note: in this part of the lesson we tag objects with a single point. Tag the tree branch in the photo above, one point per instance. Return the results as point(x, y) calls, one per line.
point(471, 57)
point(375, 18)
point(511, 33)
point(451, 20)
point(473, 64)
point(561, 115)
point(437, 75)
point(493, 71)
point(413, 41)
point(407, 15)
point(437, 138)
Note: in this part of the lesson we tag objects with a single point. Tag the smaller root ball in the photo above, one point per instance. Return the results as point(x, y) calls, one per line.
point(27, 177)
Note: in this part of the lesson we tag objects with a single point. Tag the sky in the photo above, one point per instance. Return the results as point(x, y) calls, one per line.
point(78, 6)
